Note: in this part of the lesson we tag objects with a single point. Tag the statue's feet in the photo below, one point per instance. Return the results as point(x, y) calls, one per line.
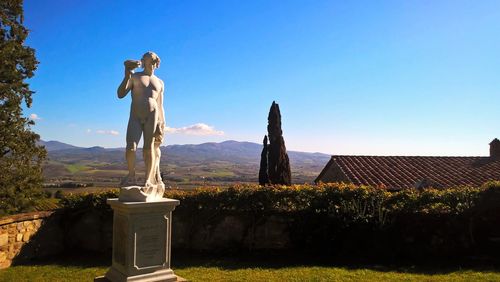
point(160, 190)
point(149, 187)
point(132, 194)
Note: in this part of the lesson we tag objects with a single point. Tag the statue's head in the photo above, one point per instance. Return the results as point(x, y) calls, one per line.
point(150, 58)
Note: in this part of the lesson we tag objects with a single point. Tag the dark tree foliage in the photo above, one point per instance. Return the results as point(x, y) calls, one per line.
point(20, 157)
point(263, 176)
point(278, 162)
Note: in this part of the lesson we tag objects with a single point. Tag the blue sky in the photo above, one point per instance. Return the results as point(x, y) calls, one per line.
point(351, 77)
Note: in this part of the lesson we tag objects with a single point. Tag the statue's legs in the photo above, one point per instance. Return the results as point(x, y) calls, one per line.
point(160, 187)
point(157, 161)
point(148, 152)
point(134, 131)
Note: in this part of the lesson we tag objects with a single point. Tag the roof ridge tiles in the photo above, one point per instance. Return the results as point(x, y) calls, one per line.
point(411, 156)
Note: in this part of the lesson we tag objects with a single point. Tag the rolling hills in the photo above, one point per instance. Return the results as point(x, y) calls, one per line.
point(225, 162)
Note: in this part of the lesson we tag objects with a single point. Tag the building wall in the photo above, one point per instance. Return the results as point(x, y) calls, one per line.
point(332, 173)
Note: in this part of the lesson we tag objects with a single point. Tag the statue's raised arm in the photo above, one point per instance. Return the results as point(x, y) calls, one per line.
point(127, 81)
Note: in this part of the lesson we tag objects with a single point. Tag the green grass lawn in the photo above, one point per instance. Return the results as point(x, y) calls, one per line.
point(68, 269)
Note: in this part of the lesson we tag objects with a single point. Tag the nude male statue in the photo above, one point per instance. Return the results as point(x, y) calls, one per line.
point(147, 118)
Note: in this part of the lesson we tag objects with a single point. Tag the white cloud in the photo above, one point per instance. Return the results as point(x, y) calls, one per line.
point(106, 132)
point(35, 117)
point(195, 129)
point(88, 130)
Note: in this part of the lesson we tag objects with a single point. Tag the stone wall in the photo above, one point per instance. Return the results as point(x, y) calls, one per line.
point(29, 235)
point(415, 236)
point(91, 231)
point(230, 233)
point(24, 237)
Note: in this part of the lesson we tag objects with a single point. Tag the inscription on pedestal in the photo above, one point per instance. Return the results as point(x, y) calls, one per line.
point(150, 242)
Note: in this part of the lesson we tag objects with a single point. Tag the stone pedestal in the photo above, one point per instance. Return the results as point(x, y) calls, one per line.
point(141, 241)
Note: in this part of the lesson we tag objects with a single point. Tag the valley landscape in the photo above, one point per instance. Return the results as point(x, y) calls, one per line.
point(182, 166)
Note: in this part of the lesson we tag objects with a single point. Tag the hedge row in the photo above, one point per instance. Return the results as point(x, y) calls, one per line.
point(347, 221)
point(333, 198)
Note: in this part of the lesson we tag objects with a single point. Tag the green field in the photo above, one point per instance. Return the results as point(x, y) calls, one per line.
point(74, 168)
point(234, 270)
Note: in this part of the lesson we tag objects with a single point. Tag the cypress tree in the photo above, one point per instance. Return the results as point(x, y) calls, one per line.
point(20, 156)
point(278, 162)
point(263, 176)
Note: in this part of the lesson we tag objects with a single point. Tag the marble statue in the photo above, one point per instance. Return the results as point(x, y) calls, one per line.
point(147, 119)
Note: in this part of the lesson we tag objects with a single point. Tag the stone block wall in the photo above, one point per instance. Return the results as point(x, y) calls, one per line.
point(231, 233)
point(28, 235)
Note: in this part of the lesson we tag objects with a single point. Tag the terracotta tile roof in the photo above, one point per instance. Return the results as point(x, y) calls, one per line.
point(407, 172)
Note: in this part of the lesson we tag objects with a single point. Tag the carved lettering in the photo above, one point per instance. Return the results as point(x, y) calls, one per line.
point(150, 242)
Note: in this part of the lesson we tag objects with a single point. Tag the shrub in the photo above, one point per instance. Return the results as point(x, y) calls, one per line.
point(341, 220)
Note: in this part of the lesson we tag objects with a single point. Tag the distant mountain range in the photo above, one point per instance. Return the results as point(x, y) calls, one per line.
point(227, 161)
point(56, 145)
